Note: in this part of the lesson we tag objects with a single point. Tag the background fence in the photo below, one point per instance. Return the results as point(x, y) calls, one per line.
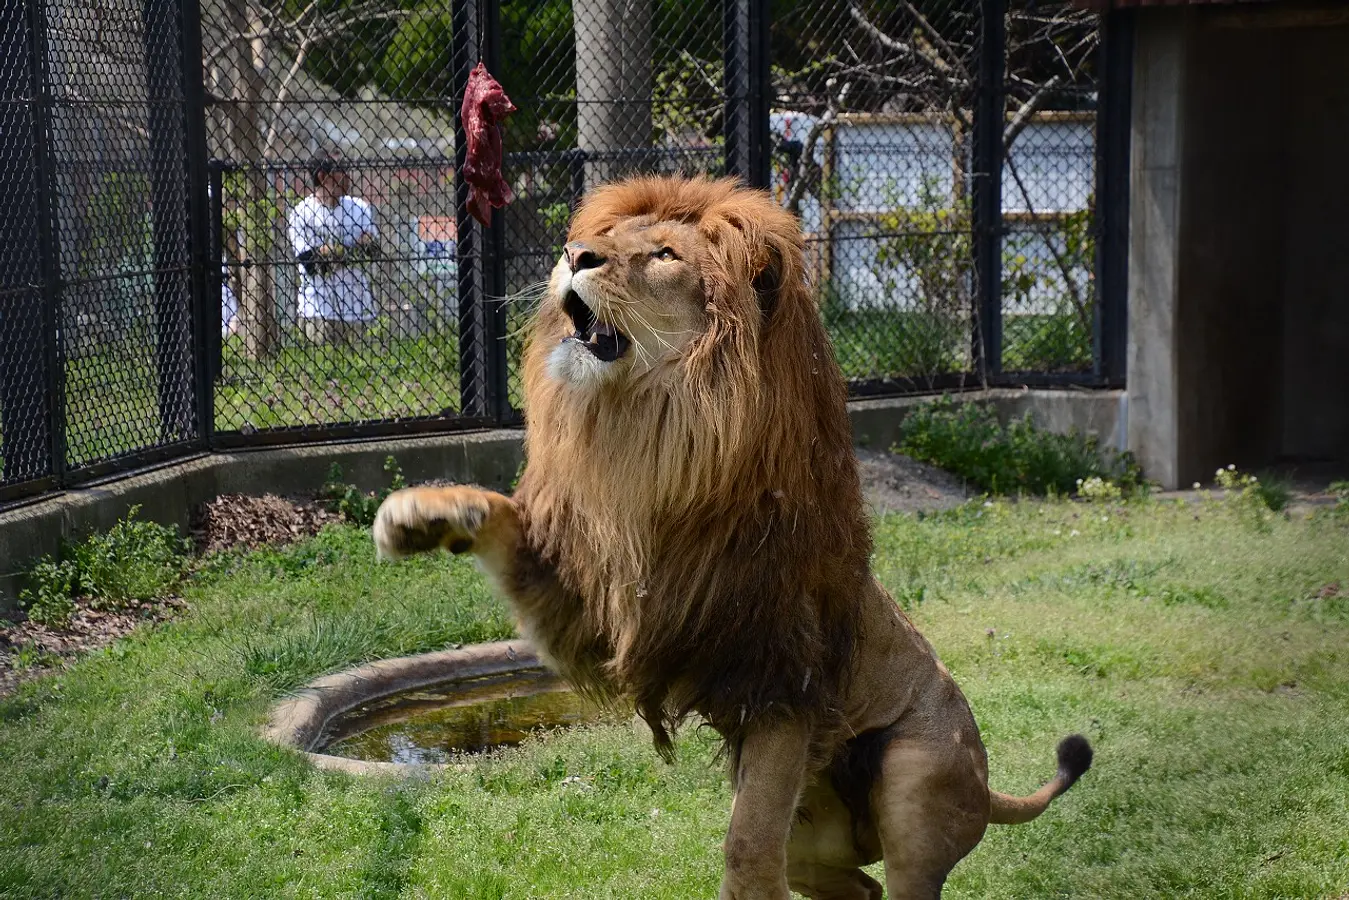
point(958, 165)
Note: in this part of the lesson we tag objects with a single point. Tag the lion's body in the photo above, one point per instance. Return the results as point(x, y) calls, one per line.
point(689, 534)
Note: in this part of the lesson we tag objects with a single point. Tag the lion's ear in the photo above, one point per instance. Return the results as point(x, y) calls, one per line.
point(768, 283)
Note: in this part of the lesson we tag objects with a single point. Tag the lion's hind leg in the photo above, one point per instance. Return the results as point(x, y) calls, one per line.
point(460, 519)
point(931, 806)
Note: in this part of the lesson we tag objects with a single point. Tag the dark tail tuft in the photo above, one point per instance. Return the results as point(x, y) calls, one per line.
point(1075, 755)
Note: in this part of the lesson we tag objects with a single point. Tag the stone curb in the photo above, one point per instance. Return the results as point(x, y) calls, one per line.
point(170, 492)
point(298, 722)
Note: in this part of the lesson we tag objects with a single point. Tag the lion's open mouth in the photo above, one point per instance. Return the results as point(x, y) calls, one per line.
point(605, 342)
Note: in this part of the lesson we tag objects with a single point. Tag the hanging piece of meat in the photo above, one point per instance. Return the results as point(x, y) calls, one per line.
point(485, 107)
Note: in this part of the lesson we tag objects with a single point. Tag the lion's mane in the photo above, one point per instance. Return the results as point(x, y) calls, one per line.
point(709, 526)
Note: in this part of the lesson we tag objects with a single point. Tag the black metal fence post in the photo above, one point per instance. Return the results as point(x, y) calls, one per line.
point(986, 191)
point(1113, 118)
point(203, 233)
point(215, 289)
point(493, 298)
point(473, 380)
point(748, 87)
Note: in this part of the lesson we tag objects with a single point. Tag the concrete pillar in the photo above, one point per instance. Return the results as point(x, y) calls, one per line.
point(1157, 157)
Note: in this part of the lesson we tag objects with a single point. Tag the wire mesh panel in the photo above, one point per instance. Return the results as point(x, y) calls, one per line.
point(25, 451)
point(941, 154)
point(1048, 189)
point(871, 128)
point(605, 88)
point(96, 343)
point(119, 161)
point(332, 129)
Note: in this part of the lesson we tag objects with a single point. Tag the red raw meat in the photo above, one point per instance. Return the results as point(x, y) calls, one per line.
point(485, 106)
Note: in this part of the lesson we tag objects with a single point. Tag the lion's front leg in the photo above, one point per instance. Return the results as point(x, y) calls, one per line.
point(460, 519)
point(769, 779)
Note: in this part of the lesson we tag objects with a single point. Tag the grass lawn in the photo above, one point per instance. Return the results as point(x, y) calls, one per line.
point(112, 408)
point(1207, 659)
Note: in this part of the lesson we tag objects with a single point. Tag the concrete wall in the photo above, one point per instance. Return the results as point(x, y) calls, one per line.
point(171, 493)
point(1237, 314)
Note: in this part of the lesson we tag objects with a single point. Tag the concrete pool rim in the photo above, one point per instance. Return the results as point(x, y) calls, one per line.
point(298, 721)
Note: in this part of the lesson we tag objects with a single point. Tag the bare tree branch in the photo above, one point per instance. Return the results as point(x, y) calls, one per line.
point(1024, 114)
point(952, 57)
point(812, 138)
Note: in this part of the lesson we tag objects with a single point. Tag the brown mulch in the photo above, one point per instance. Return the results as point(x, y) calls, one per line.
point(28, 650)
point(236, 521)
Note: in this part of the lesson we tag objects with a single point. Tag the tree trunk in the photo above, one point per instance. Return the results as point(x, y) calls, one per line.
point(257, 283)
point(613, 86)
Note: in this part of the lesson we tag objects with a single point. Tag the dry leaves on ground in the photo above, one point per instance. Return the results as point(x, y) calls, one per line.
point(236, 521)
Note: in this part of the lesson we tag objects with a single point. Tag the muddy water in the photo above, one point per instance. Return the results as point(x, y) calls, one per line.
point(434, 724)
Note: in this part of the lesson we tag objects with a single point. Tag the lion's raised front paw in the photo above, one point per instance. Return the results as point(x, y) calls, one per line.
point(416, 520)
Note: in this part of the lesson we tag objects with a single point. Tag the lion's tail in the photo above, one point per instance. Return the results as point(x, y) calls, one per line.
point(1074, 759)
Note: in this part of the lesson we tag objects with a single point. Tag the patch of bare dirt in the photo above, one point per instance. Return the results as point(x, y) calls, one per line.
point(892, 482)
point(237, 521)
point(28, 650)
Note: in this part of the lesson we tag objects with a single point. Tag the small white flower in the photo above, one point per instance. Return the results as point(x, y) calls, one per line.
point(1074, 533)
point(1231, 467)
point(1196, 485)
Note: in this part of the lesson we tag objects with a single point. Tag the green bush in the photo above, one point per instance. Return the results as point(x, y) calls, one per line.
point(131, 563)
point(350, 503)
point(47, 599)
point(968, 440)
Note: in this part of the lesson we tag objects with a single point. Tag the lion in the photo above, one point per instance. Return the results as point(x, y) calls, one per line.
point(689, 535)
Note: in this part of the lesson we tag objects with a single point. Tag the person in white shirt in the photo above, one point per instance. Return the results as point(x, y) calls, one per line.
point(229, 304)
point(332, 234)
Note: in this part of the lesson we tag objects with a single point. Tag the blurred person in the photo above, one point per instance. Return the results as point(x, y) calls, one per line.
point(332, 233)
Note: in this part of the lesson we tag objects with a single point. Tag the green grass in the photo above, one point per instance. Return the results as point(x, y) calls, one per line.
point(111, 396)
point(1203, 657)
point(380, 377)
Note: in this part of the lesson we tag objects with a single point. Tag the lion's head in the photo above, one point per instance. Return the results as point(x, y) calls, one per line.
point(688, 439)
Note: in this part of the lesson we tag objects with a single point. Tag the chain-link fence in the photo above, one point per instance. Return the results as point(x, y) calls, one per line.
point(274, 244)
point(942, 157)
point(98, 362)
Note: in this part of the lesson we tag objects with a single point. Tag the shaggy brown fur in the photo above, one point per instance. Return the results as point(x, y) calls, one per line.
point(747, 541)
point(689, 533)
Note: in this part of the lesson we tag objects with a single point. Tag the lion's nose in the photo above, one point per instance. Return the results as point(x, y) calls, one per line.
point(579, 257)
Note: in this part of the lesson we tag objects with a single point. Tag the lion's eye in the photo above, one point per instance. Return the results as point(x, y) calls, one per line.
point(665, 253)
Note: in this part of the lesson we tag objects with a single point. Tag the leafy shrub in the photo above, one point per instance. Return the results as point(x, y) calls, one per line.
point(134, 561)
point(1097, 489)
point(1274, 492)
point(967, 440)
point(349, 502)
point(47, 599)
